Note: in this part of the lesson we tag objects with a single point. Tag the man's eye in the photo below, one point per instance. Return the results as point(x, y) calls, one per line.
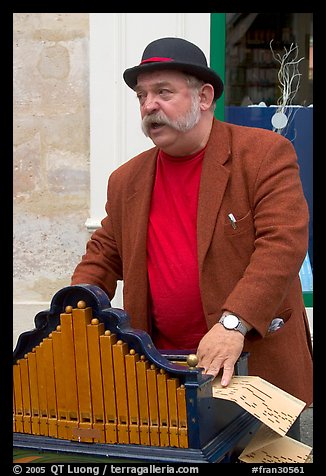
point(165, 92)
point(140, 97)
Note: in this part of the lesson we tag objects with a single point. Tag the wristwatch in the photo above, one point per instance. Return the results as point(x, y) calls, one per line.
point(232, 322)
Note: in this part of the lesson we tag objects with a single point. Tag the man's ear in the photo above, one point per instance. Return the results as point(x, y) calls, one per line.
point(206, 96)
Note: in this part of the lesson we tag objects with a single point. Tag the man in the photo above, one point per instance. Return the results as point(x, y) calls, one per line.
point(208, 229)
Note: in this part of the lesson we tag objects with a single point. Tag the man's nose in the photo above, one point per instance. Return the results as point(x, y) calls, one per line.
point(150, 105)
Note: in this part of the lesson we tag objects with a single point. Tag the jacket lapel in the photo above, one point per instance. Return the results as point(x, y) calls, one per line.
point(139, 201)
point(213, 183)
point(137, 211)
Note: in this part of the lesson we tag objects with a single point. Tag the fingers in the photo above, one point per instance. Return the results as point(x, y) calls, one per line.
point(215, 367)
point(210, 362)
point(227, 375)
point(219, 350)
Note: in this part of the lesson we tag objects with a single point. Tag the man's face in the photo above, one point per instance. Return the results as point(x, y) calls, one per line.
point(169, 108)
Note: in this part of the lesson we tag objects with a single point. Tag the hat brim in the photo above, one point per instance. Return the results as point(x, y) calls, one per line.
point(206, 74)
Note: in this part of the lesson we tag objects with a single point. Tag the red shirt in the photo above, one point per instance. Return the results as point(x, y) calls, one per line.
point(176, 307)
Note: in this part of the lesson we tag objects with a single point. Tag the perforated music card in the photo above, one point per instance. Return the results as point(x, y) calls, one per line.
point(267, 446)
point(276, 409)
point(272, 406)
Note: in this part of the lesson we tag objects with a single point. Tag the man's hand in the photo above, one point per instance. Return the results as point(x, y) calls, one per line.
point(220, 348)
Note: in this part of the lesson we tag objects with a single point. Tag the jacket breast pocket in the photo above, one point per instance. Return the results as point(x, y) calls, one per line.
point(234, 225)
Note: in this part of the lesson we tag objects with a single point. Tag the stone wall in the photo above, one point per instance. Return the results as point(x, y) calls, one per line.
point(51, 154)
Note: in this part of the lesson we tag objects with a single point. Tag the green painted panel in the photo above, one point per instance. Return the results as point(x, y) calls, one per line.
point(308, 298)
point(217, 55)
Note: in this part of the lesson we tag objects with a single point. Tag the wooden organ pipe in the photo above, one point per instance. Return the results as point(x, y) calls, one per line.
point(83, 383)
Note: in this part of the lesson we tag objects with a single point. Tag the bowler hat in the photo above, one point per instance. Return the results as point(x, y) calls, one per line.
point(178, 54)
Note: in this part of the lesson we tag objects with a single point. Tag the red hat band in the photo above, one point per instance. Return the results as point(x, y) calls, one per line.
point(155, 59)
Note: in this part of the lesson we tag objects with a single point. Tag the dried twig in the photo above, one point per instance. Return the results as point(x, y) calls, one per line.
point(289, 78)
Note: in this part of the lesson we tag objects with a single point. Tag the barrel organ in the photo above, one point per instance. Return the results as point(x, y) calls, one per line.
point(86, 381)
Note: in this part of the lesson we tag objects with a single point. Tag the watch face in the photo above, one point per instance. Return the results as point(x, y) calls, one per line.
point(230, 321)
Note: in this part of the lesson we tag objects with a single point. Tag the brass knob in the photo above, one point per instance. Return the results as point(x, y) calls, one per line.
point(192, 360)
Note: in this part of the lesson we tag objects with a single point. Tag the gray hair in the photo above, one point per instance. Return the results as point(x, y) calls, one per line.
point(195, 84)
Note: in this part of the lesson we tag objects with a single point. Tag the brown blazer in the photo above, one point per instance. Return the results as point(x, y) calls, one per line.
point(251, 270)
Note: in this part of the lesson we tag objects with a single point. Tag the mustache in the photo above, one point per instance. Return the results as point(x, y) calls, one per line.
point(183, 123)
point(156, 118)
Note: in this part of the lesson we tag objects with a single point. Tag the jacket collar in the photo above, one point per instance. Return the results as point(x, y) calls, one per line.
point(214, 179)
